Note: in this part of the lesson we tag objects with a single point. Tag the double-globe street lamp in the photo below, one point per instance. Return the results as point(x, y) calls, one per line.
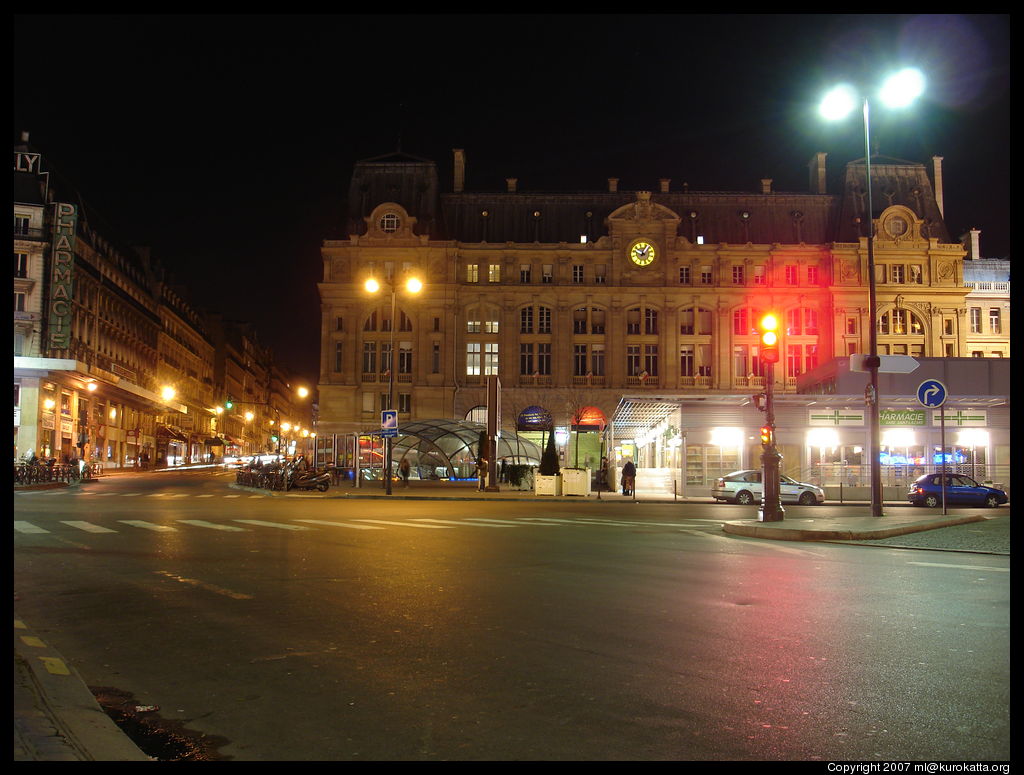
point(899, 90)
point(413, 285)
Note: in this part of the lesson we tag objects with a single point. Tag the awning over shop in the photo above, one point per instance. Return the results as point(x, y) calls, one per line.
point(589, 418)
point(636, 416)
point(214, 442)
point(171, 433)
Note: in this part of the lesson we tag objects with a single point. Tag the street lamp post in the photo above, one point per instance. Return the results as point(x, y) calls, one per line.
point(898, 90)
point(372, 285)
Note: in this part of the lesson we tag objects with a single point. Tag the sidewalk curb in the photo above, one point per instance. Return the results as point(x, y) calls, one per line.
point(757, 529)
point(68, 722)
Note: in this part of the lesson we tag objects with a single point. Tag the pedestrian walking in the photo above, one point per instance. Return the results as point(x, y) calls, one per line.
point(481, 472)
point(628, 478)
point(403, 469)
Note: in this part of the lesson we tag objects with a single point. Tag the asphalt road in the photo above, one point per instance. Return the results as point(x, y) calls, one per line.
point(325, 629)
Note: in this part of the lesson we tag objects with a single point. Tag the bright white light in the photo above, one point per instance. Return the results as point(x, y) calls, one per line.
point(901, 89)
point(414, 285)
point(899, 437)
point(822, 437)
point(838, 103)
point(583, 239)
point(973, 437)
point(372, 285)
point(303, 392)
point(727, 437)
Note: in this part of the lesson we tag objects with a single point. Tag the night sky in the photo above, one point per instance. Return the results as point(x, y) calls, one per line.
point(226, 142)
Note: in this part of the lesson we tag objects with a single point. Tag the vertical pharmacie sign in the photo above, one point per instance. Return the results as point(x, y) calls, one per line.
point(65, 220)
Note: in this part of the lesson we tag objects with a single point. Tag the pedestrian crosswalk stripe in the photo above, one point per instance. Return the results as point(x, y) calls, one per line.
point(339, 524)
point(130, 494)
point(461, 522)
point(211, 525)
point(404, 524)
point(87, 526)
point(28, 527)
point(204, 496)
point(148, 525)
point(271, 524)
point(232, 496)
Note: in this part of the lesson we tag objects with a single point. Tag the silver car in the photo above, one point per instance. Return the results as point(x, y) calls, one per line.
point(745, 487)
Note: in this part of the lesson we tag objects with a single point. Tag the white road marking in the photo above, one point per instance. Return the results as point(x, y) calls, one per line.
point(28, 527)
point(87, 526)
point(204, 496)
point(477, 523)
point(148, 525)
point(212, 525)
point(961, 567)
point(339, 524)
point(404, 524)
point(261, 523)
point(203, 585)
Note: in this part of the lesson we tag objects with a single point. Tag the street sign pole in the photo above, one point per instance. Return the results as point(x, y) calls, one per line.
point(932, 394)
point(942, 441)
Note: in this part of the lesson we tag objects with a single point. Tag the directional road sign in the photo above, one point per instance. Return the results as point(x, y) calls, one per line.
point(931, 393)
point(887, 364)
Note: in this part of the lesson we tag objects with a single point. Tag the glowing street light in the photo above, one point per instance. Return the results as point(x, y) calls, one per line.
point(413, 285)
point(899, 90)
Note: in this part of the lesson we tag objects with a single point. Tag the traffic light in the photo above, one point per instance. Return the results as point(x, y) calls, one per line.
point(766, 435)
point(229, 404)
point(768, 326)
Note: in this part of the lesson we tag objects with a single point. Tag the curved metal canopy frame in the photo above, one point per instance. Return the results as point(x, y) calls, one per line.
point(451, 444)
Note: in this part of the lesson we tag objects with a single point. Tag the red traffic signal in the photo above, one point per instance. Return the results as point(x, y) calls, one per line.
point(768, 325)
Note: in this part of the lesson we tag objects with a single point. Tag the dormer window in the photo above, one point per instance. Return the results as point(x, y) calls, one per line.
point(389, 223)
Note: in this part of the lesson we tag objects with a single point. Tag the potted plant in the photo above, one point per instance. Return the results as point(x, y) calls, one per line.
point(548, 480)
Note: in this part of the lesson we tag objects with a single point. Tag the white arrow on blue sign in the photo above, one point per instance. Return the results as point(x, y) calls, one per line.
point(931, 393)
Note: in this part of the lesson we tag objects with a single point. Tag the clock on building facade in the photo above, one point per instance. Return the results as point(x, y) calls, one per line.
point(642, 253)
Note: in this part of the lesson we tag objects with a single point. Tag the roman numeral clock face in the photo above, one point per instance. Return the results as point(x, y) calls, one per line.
point(642, 253)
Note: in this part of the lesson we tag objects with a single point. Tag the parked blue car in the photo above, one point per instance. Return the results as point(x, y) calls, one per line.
point(960, 491)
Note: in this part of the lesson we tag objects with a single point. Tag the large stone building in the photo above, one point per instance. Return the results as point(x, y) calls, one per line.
point(576, 299)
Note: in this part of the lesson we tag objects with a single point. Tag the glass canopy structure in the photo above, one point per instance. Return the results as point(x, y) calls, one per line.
point(448, 448)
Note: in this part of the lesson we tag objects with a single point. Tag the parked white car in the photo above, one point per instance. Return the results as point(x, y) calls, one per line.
point(745, 487)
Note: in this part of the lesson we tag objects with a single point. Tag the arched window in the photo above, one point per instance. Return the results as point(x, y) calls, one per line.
point(482, 320)
point(642, 320)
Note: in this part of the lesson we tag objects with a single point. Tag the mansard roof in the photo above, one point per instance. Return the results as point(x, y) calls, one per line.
point(734, 217)
point(893, 182)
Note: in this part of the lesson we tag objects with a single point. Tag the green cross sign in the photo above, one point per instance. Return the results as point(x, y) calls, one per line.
point(963, 417)
point(835, 417)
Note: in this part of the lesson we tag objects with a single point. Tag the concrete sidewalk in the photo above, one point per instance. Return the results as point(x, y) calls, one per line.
point(56, 717)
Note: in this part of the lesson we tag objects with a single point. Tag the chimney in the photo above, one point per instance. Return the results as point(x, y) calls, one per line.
point(937, 167)
point(766, 185)
point(664, 184)
point(460, 169)
point(817, 165)
point(613, 185)
point(972, 242)
point(511, 183)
